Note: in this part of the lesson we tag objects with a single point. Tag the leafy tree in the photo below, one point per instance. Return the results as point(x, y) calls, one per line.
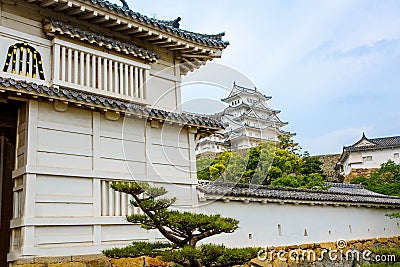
point(312, 181)
point(202, 167)
point(234, 168)
point(184, 229)
point(286, 142)
point(312, 164)
point(266, 156)
point(284, 163)
point(385, 180)
point(287, 181)
point(264, 164)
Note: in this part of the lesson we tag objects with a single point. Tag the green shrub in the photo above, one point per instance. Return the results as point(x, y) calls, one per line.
point(138, 249)
point(208, 255)
point(385, 251)
point(219, 255)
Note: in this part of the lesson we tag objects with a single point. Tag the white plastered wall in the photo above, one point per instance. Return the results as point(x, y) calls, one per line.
point(72, 156)
point(355, 159)
point(258, 223)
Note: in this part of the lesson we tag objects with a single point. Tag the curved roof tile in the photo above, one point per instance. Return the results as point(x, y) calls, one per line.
point(337, 193)
point(207, 39)
point(105, 102)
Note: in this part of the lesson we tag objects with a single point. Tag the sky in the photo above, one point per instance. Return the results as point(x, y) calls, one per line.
point(331, 67)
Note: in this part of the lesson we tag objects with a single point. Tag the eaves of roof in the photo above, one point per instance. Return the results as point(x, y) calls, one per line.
point(87, 100)
point(57, 27)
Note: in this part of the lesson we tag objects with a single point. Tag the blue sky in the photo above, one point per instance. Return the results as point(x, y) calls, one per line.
point(332, 67)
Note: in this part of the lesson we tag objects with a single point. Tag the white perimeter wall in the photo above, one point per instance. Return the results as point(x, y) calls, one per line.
point(323, 224)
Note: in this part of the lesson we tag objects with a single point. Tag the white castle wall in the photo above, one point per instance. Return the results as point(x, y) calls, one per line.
point(259, 223)
point(66, 161)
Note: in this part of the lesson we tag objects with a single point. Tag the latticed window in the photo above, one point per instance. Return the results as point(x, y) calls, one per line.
point(23, 59)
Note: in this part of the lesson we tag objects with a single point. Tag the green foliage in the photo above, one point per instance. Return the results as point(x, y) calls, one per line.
point(385, 251)
point(211, 255)
point(219, 255)
point(137, 249)
point(207, 255)
point(312, 164)
point(180, 228)
point(202, 167)
point(285, 163)
point(381, 264)
point(286, 142)
point(312, 181)
point(385, 180)
point(394, 215)
point(183, 256)
point(264, 164)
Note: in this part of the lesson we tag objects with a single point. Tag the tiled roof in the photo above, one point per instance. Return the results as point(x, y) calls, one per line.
point(92, 100)
point(375, 143)
point(368, 144)
point(338, 193)
point(243, 89)
point(205, 39)
point(53, 27)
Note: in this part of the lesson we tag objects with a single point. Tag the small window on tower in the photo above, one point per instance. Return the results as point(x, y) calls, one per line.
point(367, 158)
point(396, 155)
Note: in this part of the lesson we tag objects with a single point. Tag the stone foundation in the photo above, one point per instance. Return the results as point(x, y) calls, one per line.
point(328, 166)
point(359, 172)
point(319, 249)
point(89, 261)
point(317, 254)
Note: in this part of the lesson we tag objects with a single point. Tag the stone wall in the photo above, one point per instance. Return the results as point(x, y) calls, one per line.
point(320, 250)
point(328, 166)
point(359, 172)
point(89, 261)
point(341, 253)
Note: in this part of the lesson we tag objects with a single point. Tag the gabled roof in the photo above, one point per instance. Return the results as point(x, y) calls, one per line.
point(274, 128)
point(365, 144)
point(192, 50)
point(214, 40)
point(237, 90)
point(253, 106)
point(374, 143)
point(337, 194)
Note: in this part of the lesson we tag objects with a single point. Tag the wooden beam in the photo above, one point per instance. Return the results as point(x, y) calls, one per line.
point(89, 15)
point(155, 38)
point(133, 30)
point(144, 34)
point(164, 41)
point(100, 19)
point(123, 27)
point(76, 11)
point(197, 56)
point(181, 48)
point(188, 63)
point(48, 3)
point(63, 6)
